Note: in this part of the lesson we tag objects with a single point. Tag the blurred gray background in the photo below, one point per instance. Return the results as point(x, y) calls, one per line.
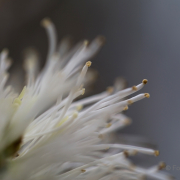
point(143, 41)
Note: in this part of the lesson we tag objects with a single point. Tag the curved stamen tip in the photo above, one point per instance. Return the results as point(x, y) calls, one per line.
point(45, 22)
point(161, 166)
point(125, 108)
point(86, 42)
point(101, 40)
point(134, 152)
point(156, 153)
point(130, 102)
point(126, 154)
point(147, 95)
point(88, 63)
point(133, 166)
point(127, 121)
point(100, 136)
point(134, 88)
point(108, 125)
point(5, 50)
point(83, 170)
point(83, 91)
point(110, 90)
point(171, 178)
point(75, 114)
point(145, 81)
point(79, 107)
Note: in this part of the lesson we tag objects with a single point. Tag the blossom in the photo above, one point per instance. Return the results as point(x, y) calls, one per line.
point(46, 134)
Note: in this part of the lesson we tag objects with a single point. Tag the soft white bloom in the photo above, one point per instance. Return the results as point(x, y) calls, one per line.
point(45, 134)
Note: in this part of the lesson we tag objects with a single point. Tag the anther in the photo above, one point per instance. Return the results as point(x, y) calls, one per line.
point(134, 88)
point(126, 154)
point(130, 102)
point(110, 90)
point(88, 63)
point(101, 40)
point(125, 108)
point(79, 107)
point(5, 50)
point(83, 91)
point(161, 166)
point(45, 22)
point(75, 114)
point(134, 152)
point(108, 125)
point(145, 81)
point(100, 136)
point(86, 42)
point(133, 166)
point(83, 170)
point(156, 153)
point(147, 95)
point(127, 121)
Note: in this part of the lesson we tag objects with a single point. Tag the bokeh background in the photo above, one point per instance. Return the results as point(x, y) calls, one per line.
point(143, 41)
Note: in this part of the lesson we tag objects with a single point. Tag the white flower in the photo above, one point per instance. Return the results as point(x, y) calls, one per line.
point(45, 134)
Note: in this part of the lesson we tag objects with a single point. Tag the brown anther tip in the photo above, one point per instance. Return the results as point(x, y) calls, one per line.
point(110, 90)
point(143, 177)
point(45, 22)
point(125, 108)
point(147, 95)
point(86, 42)
point(145, 81)
point(161, 166)
point(156, 153)
point(100, 136)
point(132, 166)
point(101, 40)
point(88, 63)
point(83, 170)
point(5, 50)
point(83, 91)
point(171, 178)
point(135, 152)
point(126, 154)
point(130, 102)
point(134, 88)
point(127, 121)
point(108, 125)
point(16, 155)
